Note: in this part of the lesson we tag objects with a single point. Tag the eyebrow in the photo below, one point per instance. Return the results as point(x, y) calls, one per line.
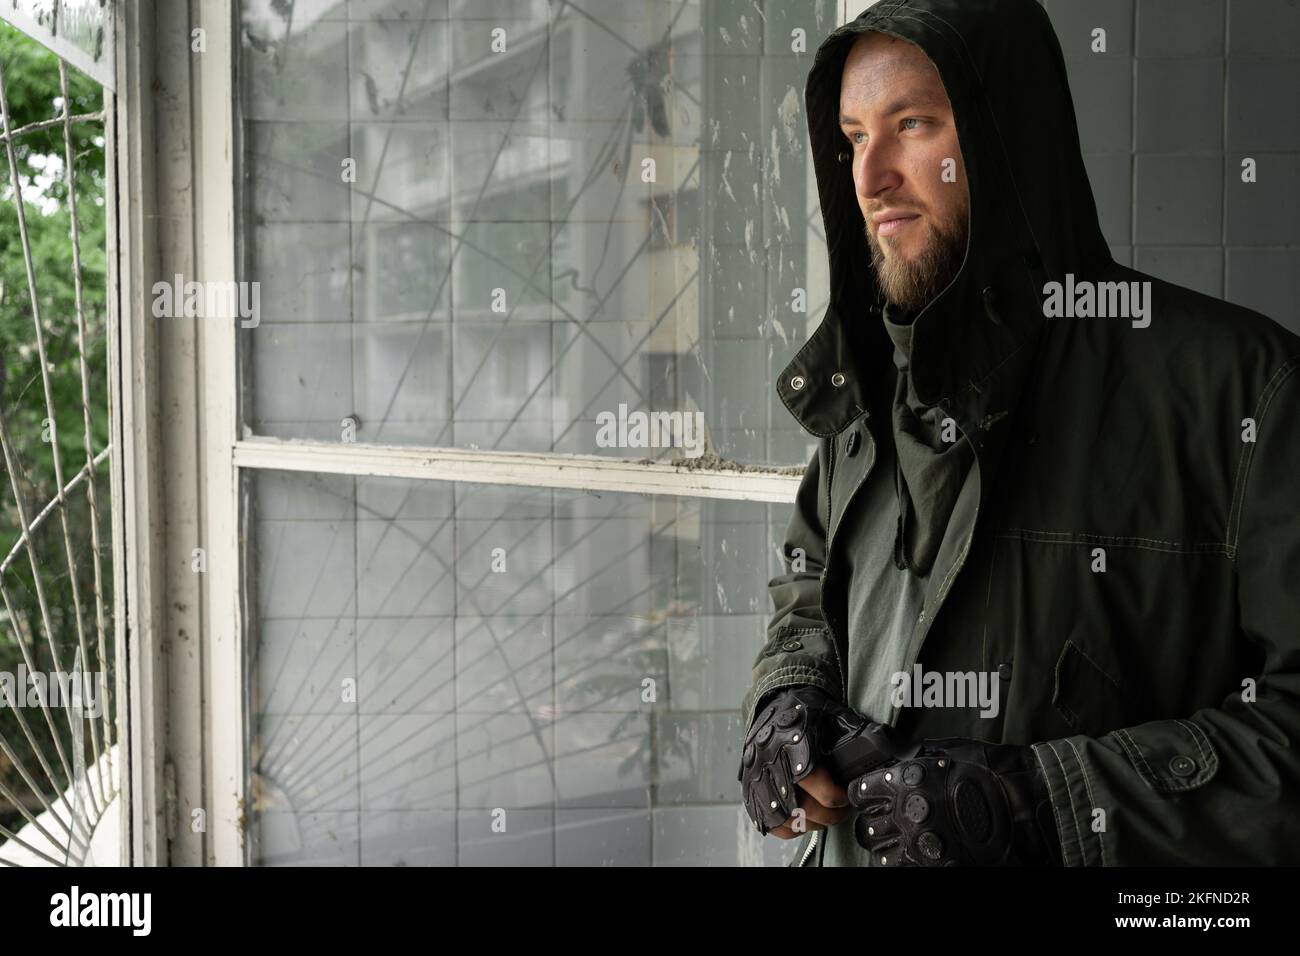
point(904, 102)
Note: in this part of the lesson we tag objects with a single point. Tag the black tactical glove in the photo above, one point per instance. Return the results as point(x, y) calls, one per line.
point(795, 731)
point(957, 802)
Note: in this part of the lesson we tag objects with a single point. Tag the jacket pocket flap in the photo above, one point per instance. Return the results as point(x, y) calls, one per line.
point(1170, 755)
point(790, 638)
point(1090, 700)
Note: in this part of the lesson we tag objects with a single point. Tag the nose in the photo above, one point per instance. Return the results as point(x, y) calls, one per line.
point(876, 169)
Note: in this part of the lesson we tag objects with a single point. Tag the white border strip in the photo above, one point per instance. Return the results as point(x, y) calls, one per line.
point(581, 472)
point(223, 675)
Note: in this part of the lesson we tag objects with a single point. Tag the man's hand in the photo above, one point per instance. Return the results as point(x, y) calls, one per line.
point(801, 748)
point(957, 802)
point(824, 803)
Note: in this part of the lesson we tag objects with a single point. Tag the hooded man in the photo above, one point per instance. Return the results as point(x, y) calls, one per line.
point(1041, 599)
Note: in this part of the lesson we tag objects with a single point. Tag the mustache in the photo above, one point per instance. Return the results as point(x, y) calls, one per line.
point(875, 206)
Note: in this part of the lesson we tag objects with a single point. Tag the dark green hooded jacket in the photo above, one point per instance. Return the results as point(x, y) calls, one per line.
point(1125, 552)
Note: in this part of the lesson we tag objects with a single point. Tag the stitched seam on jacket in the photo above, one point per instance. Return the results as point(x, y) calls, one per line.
point(1069, 792)
point(954, 567)
point(1056, 688)
point(783, 676)
point(1210, 757)
point(988, 601)
point(1074, 815)
point(1085, 537)
point(1100, 670)
point(1157, 782)
point(789, 675)
point(1065, 710)
point(1057, 812)
point(1248, 449)
point(1135, 757)
point(785, 632)
point(1127, 750)
point(789, 630)
point(1092, 801)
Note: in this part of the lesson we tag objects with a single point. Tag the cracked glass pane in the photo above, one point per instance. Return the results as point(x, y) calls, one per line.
point(525, 225)
point(454, 673)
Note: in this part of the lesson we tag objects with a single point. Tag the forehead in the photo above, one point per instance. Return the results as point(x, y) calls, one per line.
point(880, 70)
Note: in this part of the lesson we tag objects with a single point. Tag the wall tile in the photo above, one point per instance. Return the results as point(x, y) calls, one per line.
point(1075, 22)
point(1174, 99)
point(1267, 211)
point(1180, 28)
point(1263, 27)
point(1179, 200)
point(1262, 110)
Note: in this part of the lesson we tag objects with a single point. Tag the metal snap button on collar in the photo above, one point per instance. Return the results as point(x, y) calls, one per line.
point(837, 379)
point(797, 382)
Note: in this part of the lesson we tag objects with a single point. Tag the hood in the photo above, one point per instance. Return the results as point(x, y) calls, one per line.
point(1032, 217)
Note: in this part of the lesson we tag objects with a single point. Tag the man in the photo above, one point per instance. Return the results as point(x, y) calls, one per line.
point(1041, 600)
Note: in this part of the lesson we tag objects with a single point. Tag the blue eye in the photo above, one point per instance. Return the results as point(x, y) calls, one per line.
point(853, 138)
point(911, 119)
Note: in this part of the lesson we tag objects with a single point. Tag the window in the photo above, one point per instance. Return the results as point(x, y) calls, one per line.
point(479, 235)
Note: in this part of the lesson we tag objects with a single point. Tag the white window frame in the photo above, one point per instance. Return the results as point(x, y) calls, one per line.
point(177, 479)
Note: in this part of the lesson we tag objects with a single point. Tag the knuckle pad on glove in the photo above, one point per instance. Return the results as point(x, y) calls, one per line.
point(780, 750)
point(937, 811)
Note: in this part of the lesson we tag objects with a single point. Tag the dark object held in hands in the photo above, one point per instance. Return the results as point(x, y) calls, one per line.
point(795, 731)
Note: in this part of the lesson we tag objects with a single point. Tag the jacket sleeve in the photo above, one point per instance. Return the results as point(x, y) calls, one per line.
point(1221, 786)
point(798, 648)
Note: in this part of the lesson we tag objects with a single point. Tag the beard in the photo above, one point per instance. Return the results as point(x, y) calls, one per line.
point(910, 284)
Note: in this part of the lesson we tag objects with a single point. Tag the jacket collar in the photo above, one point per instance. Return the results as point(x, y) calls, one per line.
point(830, 381)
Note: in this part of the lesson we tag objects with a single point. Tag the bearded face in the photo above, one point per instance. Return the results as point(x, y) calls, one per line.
point(911, 279)
point(896, 116)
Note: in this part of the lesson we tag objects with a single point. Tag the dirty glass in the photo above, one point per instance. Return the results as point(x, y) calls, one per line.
point(464, 674)
point(520, 225)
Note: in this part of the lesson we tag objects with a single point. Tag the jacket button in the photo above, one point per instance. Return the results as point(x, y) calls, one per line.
point(1004, 671)
point(797, 382)
point(851, 448)
point(791, 646)
point(837, 379)
point(1183, 766)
